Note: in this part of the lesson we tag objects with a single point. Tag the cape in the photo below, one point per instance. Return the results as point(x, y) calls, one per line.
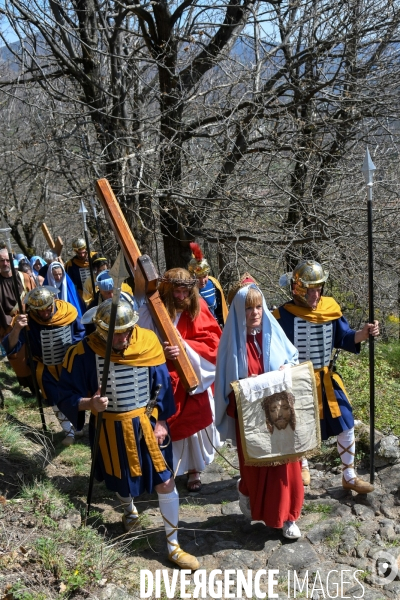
point(327, 310)
point(193, 411)
point(223, 301)
point(144, 349)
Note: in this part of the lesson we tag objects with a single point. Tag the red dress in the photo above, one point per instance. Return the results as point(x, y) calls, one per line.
point(276, 493)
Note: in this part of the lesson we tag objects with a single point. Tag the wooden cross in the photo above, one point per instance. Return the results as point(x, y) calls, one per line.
point(135, 259)
point(56, 246)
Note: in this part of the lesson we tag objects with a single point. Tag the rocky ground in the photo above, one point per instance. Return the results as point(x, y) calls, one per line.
point(350, 545)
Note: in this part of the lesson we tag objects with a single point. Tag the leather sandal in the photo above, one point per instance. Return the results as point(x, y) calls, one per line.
point(131, 522)
point(193, 485)
point(183, 559)
point(179, 557)
point(359, 485)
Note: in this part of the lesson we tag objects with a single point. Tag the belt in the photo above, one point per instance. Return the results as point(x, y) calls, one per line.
point(329, 390)
point(109, 447)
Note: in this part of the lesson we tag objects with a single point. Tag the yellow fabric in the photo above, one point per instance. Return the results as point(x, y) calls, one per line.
point(223, 301)
point(326, 376)
point(144, 349)
point(109, 451)
point(327, 310)
point(54, 370)
point(82, 264)
point(70, 355)
point(65, 315)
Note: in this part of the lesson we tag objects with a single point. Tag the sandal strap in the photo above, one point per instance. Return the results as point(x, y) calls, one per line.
point(173, 529)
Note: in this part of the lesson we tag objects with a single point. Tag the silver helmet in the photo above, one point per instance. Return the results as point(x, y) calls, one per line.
point(78, 244)
point(41, 297)
point(126, 317)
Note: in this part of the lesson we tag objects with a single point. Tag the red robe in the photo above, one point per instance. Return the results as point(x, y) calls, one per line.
point(193, 412)
point(276, 493)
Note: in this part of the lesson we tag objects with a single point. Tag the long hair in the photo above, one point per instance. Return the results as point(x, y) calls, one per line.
point(282, 396)
point(175, 278)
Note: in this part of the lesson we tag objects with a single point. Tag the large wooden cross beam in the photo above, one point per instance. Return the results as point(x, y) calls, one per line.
point(135, 259)
point(56, 246)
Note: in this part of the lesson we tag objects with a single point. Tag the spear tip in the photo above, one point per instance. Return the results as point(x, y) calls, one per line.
point(83, 209)
point(368, 167)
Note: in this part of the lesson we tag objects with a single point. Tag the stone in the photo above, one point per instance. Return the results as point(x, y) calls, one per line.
point(215, 473)
point(363, 548)
point(115, 592)
point(349, 540)
point(368, 528)
point(319, 466)
point(364, 513)
point(390, 479)
point(387, 451)
point(225, 545)
point(232, 508)
point(293, 556)
point(324, 502)
point(387, 533)
point(322, 530)
point(216, 486)
point(344, 512)
point(242, 560)
point(270, 547)
point(309, 520)
point(389, 511)
point(337, 492)
point(393, 590)
point(366, 593)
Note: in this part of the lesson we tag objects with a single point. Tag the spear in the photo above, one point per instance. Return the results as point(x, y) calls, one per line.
point(118, 273)
point(368, 169)
point(93, 205)
point(83, 211)
point(6, 232)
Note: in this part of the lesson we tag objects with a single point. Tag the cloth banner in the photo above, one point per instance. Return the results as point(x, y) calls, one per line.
point(278, 416)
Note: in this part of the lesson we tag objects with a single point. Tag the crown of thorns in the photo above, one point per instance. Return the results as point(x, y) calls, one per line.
point(179, 282)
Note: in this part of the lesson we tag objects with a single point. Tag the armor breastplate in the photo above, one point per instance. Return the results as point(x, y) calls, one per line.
point(84, 274)
point(55, 342)
point(313, 342)
point(127, 386)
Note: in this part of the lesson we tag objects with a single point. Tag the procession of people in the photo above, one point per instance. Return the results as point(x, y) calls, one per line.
point(153, 428)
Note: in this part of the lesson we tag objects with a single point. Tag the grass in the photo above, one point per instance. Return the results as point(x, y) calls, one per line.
point(77, 560)
point(355, 373)
point(78, 457)
point(18, 447)
point(333, 538)
point(222, 456)
point(317, 508)
point(46, 499)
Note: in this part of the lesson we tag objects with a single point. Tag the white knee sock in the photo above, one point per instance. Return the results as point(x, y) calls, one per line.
point(65, 424)
point(304, 463)
point(169, 507)
point(130, 510)
point(347, 449)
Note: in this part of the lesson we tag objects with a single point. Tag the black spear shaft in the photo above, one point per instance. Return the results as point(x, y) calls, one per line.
point(28, 343)
point(371, 339)
point(103, 388)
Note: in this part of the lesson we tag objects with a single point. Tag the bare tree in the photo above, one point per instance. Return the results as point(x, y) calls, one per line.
point(241, 124)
